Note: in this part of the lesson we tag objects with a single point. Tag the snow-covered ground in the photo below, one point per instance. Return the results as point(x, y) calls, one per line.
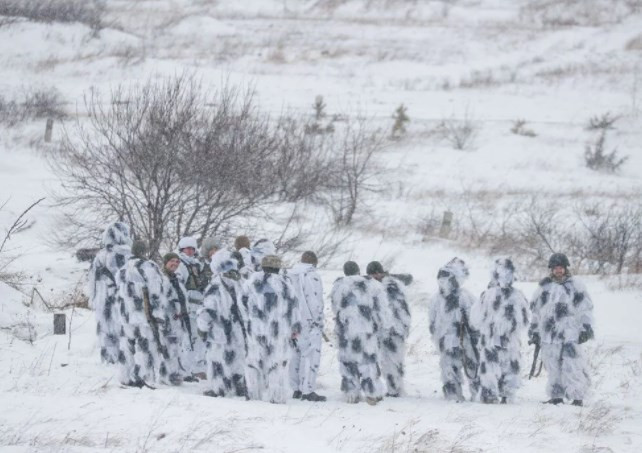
point(491, 59)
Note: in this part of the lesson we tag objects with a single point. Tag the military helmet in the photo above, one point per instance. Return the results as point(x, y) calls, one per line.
point(272, 261)
point(242, 242)
point(186, 242)
point(374, 267)
point(351, 268)
point(309, 257)
point(558, 259)
point(140, 249)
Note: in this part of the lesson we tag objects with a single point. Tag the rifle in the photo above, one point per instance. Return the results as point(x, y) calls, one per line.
point(465, 328)
point(533, 373)
point(184, 314)
point(406, 279)
point(103, 270)
point(237, 312)
point(147, 307)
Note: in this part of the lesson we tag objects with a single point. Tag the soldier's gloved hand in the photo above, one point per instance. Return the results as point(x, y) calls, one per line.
point(535, 339)
point(584, 337)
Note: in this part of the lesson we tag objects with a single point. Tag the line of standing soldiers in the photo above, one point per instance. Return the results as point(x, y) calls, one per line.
point(480, 338)
point(254, 329)
point(250, 327)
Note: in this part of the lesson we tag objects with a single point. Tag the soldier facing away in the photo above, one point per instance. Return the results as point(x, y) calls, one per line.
point(273, 321)
point(357, 320)
point(500, 317)
point(306, 354)
point(222, 327)
point(449, 313)
point(103, 288)
point(392, 345)
point(144, 309)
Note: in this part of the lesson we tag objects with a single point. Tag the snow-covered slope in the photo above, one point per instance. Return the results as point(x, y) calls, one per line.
point(493, 60)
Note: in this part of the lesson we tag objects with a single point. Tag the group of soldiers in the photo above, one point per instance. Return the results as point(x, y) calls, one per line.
point(480, 338)
point(246, 326)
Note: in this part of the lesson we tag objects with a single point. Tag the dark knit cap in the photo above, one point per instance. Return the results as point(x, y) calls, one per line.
point(374, 267)
point(170, 256)
point(309, 258)
point(242, 242)
point(139, 249)
point(351, 268)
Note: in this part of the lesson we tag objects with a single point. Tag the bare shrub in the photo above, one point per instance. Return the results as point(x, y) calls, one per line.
point(596, 157)
point(298, 236)
point(303, 159)
point(409, 439)
point(569, 13)
point(171, 158)
point(624, 282)
point(167, 157)
point(597, 239)
point(600, 419)
point(70, 299)
point(519, 128)
point(22, 327)
point(601, 122)
point(32, 105)
point(354, 168)
point(612, 237)
point(15, 279)
point(429, 224)
point(88, 12)
point(460, 133)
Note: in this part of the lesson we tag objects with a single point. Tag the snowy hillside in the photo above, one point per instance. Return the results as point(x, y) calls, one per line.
point(486, 63)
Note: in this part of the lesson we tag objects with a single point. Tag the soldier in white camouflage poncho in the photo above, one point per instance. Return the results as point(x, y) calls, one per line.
point(180, 333)
point(306, 355)
point(273, 322)
point(562, 321)
point(190, 274)
point(102, 288)
point(449, 313)
point(145, 310)
point(392, 344)
point(222, 328)
point(356, 307)
point(500, 317)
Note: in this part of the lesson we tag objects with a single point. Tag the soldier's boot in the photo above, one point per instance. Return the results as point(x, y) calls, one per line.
point(579, 403)
point(554, 401)
point(297, 395)
point(175, 379)
point(313, 397)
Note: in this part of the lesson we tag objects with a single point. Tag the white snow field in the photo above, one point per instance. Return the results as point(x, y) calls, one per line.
point(553, 64)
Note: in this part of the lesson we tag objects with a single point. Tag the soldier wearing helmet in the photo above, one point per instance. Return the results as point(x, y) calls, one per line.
point(562, 321)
